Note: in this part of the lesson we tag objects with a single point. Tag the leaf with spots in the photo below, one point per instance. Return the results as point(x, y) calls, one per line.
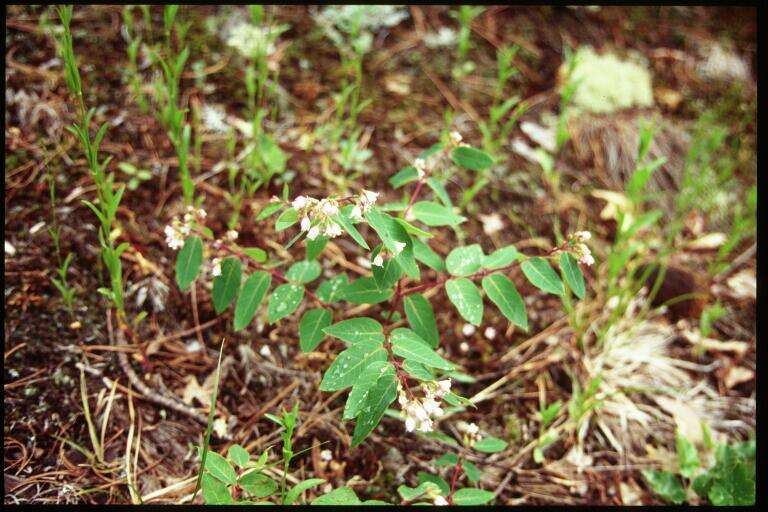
point(347, 367)
point(284, 301)
point(465, 296)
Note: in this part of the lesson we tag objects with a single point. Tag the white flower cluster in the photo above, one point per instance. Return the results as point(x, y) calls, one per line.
point(580, 249)
point(456, 138)
point(214, 119)
point(252, 41)
point(178, 230)
point(446, 36)
point(433, 493)
point(216, 267)
point(317, 214)
point(378, 261)
point(421, 167)
point(419, 413)
point(440, 501)
point(366, 200)
point(491, 223)
point(471, 432)
point(364, 17)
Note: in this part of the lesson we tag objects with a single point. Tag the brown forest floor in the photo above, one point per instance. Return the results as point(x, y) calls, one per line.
point(42, 403)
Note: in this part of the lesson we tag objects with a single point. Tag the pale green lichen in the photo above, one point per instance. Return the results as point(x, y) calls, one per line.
point(607, 84)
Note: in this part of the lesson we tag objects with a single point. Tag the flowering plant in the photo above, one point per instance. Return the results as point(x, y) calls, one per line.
point(387, 357)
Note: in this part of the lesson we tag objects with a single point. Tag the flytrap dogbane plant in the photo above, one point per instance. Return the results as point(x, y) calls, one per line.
point(384, 360)
point(436, 490)
point(240, 480)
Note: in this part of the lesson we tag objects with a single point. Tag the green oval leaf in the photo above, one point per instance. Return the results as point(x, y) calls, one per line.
point(215, 492)
point(393, 235)
point(238, 455)
point(269, 210)
point(287, 219)
point(687, 456)
point(387, 275)
point(466, 297)
point(347, 367)
point(418, 370)
point(572, 274)
point(251, 295)
point(340, 496)
point(472, 496)
point(311, 328)
point(465, 261)
point(427, 256)
point(501, 258)
point(258, 484)
point(356, 330)
point(411, 229)
point(471, 158)
point(188, 262)
point(304, 272)
point(666, 485)
point(541, 275)
point(284, 301)
point(434, 214)
point(350, 228)
point(366, 381)
point(226, 285)
point(502, 292)
point(220, 468)
point(421, 318)
point(329, 290)
point(364, 291)
point(296, 490)
point(408, 345)
point(256, 254)
point(403, 177)
point(315, 247)
point(376, 402)
point(490, 445)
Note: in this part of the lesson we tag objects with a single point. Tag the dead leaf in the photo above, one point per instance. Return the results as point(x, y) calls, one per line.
point(193, 390)
point(578, 458)
point(220, 427)
point(737, 347)
point(712, 345)
point(616, 202)
point(630, 494)
point(686, 419)
point(694, 222)
point(738, 375)
point(668, 97)
point(399, 84)
point(708, 242)
point(743, 285)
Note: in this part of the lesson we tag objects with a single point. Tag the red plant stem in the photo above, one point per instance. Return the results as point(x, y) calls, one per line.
point(415, 195)
point(444, 278)
point(454, 478)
